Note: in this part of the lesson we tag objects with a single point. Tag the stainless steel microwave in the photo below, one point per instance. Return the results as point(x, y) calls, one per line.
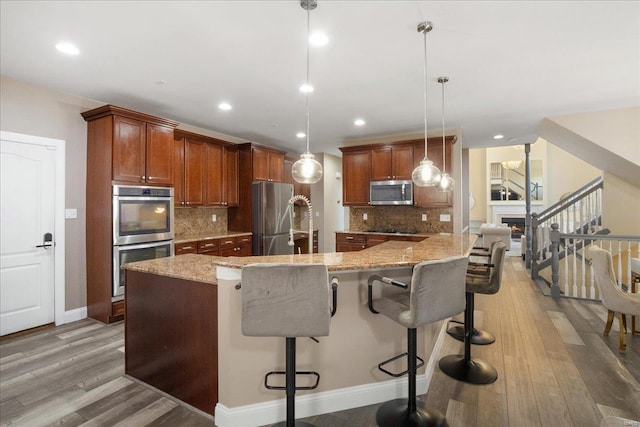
point(391, 193)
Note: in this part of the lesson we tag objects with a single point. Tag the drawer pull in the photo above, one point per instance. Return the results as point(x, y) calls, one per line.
point(184, 248)
point(208, 245)
point(228, 241)
point(349, 237)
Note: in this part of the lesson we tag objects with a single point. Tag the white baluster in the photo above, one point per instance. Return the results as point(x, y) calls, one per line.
point(619, 263)
point(566, 275)
point(629, 265)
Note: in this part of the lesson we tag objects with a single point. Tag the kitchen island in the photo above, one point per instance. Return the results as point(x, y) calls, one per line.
point(183, 333)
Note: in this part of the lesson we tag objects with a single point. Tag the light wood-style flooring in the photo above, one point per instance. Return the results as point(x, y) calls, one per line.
point(555, 369)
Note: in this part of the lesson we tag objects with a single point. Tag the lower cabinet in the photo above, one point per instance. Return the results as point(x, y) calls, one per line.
point(349, 242)
point(301, 243)
point(226, 246)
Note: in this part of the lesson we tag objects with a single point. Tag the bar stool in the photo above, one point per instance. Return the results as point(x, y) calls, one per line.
point(463, 367)
point(287, 300)
point(475, 268)
point(436, 292)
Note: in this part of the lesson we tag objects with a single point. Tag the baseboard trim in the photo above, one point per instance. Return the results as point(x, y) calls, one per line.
point(273, 411)
point(75, 315)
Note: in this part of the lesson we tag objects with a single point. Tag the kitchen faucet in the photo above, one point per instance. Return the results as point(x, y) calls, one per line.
point(310, 210)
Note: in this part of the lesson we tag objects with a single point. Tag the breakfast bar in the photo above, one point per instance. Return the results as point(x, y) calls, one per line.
point(183, 333)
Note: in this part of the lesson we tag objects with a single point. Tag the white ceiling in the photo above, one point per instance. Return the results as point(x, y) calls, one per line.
point(510, 63)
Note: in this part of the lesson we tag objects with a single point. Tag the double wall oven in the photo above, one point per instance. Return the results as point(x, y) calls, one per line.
point(142, 227)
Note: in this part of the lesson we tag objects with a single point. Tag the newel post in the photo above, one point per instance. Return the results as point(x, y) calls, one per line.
point(555, 260)
point(532, 247)
point(527, 216)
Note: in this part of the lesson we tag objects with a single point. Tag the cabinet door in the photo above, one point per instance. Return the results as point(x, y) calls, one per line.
point(178, 172)
point(260, 159)
point(194, 169)
point(381, 164)
point(159, 154)
point(429, 196)
point(356, 168)
point(231, 176)
point(402, 162)
point(129, 137)
point(276, 167)
point(213, 174)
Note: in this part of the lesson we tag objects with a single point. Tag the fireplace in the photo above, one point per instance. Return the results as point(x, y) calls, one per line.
point(516, 224)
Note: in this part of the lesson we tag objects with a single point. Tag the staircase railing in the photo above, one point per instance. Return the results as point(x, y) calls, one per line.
point(579, 213)
point(572, 275)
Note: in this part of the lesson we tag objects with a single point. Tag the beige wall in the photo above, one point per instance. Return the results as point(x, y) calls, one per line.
point(616, 130)
point(478, 184)
point(566, 173)
point(33, 110)
point(621, 206)
point(325, 196)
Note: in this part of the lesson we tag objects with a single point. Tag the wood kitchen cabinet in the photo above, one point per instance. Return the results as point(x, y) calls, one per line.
point(185, 248)
point(301, 243)
point(268, 164)
point(356, 168)
point(235, 246)
point(206, 171)
point(350, 242)
point(188, 179)
point(430, 197)
point(142, 152)
point(392, 162)
point(255, 163)
point(123, 147)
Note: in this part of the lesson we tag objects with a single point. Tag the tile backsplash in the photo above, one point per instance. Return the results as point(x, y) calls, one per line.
point(190, 221)
point(400, 218)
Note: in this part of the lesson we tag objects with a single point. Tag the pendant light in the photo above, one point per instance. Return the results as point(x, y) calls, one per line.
point(446, 182)
point(426, 174)
point(307, 170)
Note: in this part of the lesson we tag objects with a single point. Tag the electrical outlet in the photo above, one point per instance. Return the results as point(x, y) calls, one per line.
point(445, 218)
point(317, 213)
point(71, 213)
point(424, 217)
point(214, 217)
point(365, 217)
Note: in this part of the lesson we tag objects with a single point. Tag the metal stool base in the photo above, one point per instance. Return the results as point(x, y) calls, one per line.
point(472, 371)
point(297, 424)
point(395, 413)
point(478, 336)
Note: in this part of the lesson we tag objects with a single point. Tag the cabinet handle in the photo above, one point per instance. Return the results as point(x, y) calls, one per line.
point(228, 241)
point(149, 178)
point(349, 237)
point(186, 203)
point(184, 248)
point(208, 245)
point(143, 177)
point(182, 203)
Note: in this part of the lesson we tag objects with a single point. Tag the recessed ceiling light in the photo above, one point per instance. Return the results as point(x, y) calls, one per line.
point(306, 88)
point(161, 82)
point(498, 136)
point(224, 106)
point(359, 122)
point(318, 39)
point(301, 134)
point(67, 48)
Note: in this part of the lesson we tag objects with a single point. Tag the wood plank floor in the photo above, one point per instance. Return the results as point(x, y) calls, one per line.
point(555, 369)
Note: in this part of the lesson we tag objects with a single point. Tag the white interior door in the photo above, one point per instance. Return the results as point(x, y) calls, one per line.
point(27, 214)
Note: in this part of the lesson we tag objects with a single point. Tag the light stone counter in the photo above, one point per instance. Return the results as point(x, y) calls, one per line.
point(186, 238)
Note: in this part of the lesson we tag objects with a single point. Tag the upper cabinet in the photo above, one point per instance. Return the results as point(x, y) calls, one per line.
point(268, 164)
point(356, 172)
point(430, 197)
point(396, 161)
point(391, 162)
point(141, 146)
point(206, 171)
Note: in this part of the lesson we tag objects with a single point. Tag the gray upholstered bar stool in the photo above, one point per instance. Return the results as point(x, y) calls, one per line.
point(287, 300)
point(461, 366)
point(436, 293)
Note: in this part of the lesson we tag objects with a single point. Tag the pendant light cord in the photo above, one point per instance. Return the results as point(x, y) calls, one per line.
point(308, 86)
point(444, 165)
point(426, 156)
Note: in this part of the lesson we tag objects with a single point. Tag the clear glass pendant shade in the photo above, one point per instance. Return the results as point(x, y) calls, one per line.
point(426, 174)
point(306, 170)
point(446, 183)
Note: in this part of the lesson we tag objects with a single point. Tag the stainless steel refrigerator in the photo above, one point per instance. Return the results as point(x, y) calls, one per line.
point(271, 218)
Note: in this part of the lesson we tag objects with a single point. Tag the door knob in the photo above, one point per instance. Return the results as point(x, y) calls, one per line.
point(47, 241)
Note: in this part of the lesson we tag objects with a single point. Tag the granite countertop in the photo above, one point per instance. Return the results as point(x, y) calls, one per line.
point(186, 238)
point(425, 235)
point(202, 268)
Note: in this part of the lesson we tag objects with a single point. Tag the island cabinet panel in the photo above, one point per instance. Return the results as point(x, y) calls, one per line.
point(356, 167)
point(428, 196)
point(391, 162)
point(173, 347)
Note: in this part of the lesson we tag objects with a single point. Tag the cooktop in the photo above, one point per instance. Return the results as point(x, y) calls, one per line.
point(391, 230)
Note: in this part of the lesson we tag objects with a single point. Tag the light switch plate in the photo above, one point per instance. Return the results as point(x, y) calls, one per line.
point(71, 213)
point(445, 217)
point(424, 217)
point(365, 217)
point(214, 217)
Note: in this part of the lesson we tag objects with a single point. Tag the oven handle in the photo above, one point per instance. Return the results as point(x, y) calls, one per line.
point(144, 245)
